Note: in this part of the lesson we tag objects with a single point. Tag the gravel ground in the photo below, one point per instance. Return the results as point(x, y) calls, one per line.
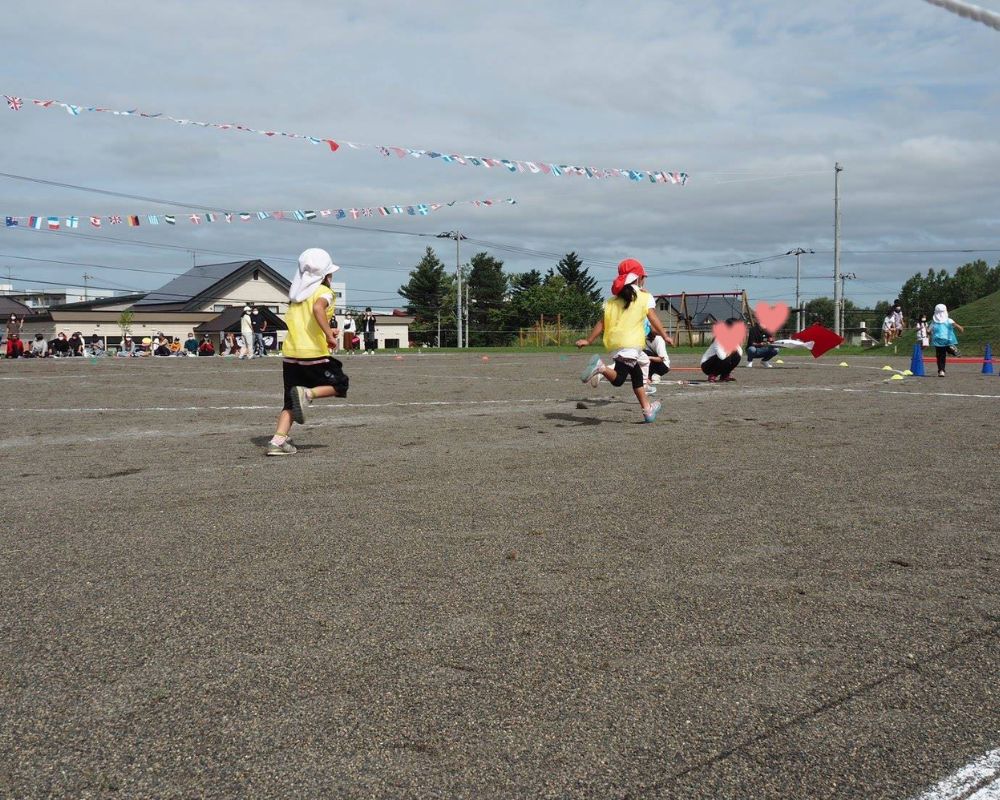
point(481, 579)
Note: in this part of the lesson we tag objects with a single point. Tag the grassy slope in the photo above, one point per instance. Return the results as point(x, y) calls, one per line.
point(981, 320)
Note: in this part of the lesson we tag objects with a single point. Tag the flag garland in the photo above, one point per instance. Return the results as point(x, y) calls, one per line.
point(511, 165)
point(198, 217)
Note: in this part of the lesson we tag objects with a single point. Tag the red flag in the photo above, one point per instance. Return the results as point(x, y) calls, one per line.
point(823, 339)
point(334, 147)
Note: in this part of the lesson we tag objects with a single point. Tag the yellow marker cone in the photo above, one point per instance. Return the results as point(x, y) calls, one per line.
point(907, 373)
point(886, 368)
point(842, 364)
point(896, 378)
point(779, 361)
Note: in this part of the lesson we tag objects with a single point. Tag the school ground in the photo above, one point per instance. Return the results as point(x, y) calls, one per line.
point(482, 579)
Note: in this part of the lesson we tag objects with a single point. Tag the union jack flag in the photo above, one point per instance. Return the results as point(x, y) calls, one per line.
point(115, 219)
point(14, 102)
point(366, 212)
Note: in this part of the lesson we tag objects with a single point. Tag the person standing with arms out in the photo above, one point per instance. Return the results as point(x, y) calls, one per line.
point(368, 329)
point(308, 371)
point(623, 326)
point(15, 347)
point(943, 336)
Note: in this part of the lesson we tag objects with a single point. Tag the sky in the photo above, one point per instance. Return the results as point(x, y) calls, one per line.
point(755, 101)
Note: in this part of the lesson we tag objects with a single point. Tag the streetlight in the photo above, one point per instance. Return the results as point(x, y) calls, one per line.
point(458, 279)
point(797, 252)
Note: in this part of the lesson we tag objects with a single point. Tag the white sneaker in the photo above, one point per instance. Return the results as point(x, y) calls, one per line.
point(650, 389)
point(596, 379)
point(749, 364)
point(768, 364)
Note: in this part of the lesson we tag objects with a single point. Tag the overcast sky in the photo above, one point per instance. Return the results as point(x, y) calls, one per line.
point(756, 101)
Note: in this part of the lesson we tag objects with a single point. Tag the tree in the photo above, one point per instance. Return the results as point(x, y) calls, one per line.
point(426, 292)
point(487, 288)
point(820, 309)
point(571, 268)
point(125, 321)
point(522, 281)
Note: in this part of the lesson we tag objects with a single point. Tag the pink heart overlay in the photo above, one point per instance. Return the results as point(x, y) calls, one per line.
point(771, 318)
point(729, 335)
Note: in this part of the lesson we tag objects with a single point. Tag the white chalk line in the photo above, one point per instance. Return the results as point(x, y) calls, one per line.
point(981, 776)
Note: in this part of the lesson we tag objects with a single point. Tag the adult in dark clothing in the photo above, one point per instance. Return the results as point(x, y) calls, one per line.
point(368, 330)
point(259, 324)
point(718, 364)
point(759, 346)
point(76, 344)
point(206, 348)
point(59, 347)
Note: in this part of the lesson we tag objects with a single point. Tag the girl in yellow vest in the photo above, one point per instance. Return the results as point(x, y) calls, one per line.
point(624, 331)
point(307, 367)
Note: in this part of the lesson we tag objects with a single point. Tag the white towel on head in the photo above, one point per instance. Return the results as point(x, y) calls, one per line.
point(940, 313)
point(314, 265)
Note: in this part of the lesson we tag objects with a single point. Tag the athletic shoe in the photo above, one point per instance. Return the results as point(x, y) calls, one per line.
point(768, 364)
point(749, 364)
point(654, 409)
point(655, 378)
point(596, 379)
point(286, 448)
point(299, 404)
point(713, 378)
point(650, 389)
point(940, 373)
point(593, 368)
point(727, 378)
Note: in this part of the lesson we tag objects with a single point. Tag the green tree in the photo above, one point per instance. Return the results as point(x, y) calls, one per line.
point(553, 297)
point(522, 281)
point(571, 268)
point(125, 319)
point(820, 309)
point(488, 314)
point(426, 293)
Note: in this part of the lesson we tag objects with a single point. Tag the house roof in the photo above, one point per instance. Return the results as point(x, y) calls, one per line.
point(9, 306)
point(704, 311)
point(207, 282)
point(229, 321)
point(97, 304)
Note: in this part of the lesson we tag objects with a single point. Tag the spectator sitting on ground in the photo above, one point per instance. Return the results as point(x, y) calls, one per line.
point(60, 346)
point(127, 348)
point(191, 345)
point(759, 346)
point(76, 344)
point(206, 348)
point(145, 347)
point(39, 348)
point(163, 348)
point(176, 348)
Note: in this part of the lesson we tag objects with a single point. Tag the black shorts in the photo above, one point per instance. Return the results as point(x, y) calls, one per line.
point(324, 373)
point(624, 370)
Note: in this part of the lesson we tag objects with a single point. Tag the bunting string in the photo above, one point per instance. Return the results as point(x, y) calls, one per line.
point(15, 103)
point(197, 217)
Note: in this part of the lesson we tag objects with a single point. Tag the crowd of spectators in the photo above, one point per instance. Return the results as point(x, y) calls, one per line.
point(97, 346)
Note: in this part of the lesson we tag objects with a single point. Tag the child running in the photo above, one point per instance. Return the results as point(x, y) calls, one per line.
point(943, 336)
point(308, 369)
point(625, 334)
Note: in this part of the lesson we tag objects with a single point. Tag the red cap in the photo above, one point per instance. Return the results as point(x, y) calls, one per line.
point(631, 265)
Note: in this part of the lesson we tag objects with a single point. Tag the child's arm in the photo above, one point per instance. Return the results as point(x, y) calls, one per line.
point(598, 328)
point(960, 328)
point(654, 323)
point(319, 314)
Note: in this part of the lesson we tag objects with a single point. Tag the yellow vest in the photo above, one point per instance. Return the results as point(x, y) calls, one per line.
point(623, 327)
point(305, 338)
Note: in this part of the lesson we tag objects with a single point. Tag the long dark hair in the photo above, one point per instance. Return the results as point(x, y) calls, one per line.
point(628, 294)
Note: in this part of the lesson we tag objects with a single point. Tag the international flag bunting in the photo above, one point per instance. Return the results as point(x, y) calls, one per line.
point(512, 165)
point(134, 220)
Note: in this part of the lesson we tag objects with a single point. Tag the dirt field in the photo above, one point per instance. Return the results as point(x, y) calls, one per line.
point(482, 579)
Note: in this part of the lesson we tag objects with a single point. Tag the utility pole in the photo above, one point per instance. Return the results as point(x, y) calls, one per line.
point(458, 279)
point(86, 292)
point(837, 322)
point(798, 252)
point(844, 277)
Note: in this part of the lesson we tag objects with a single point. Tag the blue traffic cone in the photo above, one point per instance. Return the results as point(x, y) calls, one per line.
point(988, 361)
point(917, 362)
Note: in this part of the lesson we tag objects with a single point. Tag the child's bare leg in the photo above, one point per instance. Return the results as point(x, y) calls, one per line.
point(284, 424)
point(608, 373)
point(321, 391)
point(640, 393)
